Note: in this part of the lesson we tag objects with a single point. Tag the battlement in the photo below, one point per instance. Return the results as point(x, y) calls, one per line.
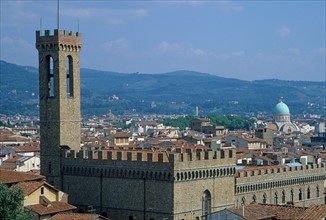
point(188, 159)
point(310, 169)
point(58, 33)
point(147, 164)
point(116, 155)
point(67, 40)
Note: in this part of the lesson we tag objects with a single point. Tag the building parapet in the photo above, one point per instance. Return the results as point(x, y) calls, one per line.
point(179, 161)
point(151, 156)
point(279, 170)
point(163, 166)
point(58, 33)
point(66, 40)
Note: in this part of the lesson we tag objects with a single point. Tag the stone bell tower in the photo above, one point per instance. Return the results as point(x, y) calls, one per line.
point(59, 84)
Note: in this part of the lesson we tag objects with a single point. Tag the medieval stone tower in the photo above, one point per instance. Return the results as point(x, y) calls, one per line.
point(59, 78)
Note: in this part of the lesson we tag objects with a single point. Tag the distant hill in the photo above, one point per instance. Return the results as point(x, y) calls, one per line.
point(176, 92)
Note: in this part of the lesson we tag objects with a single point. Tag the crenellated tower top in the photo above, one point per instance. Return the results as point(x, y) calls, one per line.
point(62, 40)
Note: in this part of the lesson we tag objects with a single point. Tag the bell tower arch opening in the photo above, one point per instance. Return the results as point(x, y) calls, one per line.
point(69, 72)
point(50, 84)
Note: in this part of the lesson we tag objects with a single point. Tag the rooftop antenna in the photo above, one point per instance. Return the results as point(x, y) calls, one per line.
point(78, 25)
point(58, 14)
point(40, 24)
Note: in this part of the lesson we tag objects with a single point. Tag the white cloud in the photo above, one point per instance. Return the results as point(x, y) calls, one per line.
point(319, 51)
point(228, 5)
point(227, 56)
point(184, 2)
point(294, 51)
point(185, 50)
point(111, 16)
point(283, 32)
point(14, 13)
point(140, 12)
point(116, 45)
point(166, 47)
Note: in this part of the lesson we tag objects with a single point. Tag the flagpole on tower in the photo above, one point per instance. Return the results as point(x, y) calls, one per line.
point(58, 14)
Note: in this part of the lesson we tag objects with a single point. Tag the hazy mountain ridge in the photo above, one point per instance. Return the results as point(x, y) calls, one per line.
point(174, 92)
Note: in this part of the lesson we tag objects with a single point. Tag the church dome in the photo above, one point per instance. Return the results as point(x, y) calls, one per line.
point(281, 109)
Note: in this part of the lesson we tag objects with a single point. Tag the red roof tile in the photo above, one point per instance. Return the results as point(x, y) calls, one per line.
point(30, 186)
point(27, 148)
point(264, 211)
point(77, 216)
point(316, 212)
point(121, 135)
point(201, 119)
point(8, 167)
point(8, 176)
point(51, 208)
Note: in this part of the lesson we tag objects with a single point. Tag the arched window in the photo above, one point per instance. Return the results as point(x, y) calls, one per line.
point(243, 201)
point(317, 191)
point(308, 193)
point(69, 78)
point(300, 195)
point(283, 197)
point(206, 202)
point(50, 68)
point(275, 199)
point(264, 199)
point(254, 198)
point(292, 196)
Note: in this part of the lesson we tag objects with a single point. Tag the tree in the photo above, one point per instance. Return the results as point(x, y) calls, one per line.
point(11, 204)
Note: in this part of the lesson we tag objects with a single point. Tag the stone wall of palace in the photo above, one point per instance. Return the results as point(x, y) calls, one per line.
point(302, 186)
point(125, 185)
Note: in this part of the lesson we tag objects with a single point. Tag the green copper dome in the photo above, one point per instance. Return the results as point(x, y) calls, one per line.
point(281, 109)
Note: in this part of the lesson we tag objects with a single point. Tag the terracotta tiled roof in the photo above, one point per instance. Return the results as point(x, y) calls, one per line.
point(198, 146)
point(264, 211)
point(35, 171)
point(253, 139)
point(27, 148)
point(51, 208)
point(8, 167)
point(121, 135)
point(272, 126)
point(293, 154)
point(239, 156)
point(201, 119)
point(266, 158)
point(30, 186)
point(8, 176)
point(316, 212)
point(77, 216)
point(13, 138)
point(197, 138)
point(14, 159)
point(242, 150)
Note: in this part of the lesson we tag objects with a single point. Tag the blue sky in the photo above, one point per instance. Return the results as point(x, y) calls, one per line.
point(238, 39)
